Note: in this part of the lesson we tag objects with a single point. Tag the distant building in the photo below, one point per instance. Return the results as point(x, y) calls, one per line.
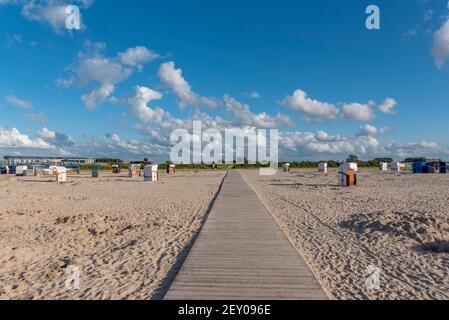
point(32, 160)
point(386, 160)
point(145, 162)
point(422, 159)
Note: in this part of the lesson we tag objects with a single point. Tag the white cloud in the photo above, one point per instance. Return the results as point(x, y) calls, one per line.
point(173, 78)
point(54, 15)
point(371, 131)
point(293, 146)
point(138, 105)
point(47, 134)
point(50, 12)
point(388, 105)
point(114, 145)
point(385, 130)
point(313, 109)
point(242, 113)
point(14, 139)
point(155, 123)
point(368, 130)
point(17, 102)
point(310, 144)
point(415, 149)
point(358, 111)
point(440, 48)
point(96, 95)
point(56, 138)
point(367, 145)
point(114, 140)
point(92, 68)
point(321, 145)
point(100, 69)
point(137, 56)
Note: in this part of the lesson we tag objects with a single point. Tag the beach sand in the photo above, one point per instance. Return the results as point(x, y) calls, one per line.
point(126, 237)
point(394, 226)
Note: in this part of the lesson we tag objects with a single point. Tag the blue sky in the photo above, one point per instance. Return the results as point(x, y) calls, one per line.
point(139, 69)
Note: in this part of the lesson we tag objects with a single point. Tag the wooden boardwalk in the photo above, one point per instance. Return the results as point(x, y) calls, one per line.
point(241, 253)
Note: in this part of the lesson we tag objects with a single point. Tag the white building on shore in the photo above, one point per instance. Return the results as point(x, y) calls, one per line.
point(32, 160)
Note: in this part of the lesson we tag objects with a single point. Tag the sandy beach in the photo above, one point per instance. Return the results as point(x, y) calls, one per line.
point(126, 237)
point(396, 223)
point(129, 238)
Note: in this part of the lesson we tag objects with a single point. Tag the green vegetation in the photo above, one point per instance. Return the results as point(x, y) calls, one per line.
point(103, 168)
point(311, 164)
point(352, 158)
point(303, 164)
point(246, 165)
point(109, 160)
point(335, 164)
point(201, 166)
point(387, 160)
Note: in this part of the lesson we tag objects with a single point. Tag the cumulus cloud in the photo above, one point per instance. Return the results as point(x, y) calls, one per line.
point(56, 138)
point(293, 145)
point(315, 110)
point(385, 130)
point(14, 139)
point(368, 130)
point(173, 78)
point(440, 48)
point(17, 102)
point(312, 109)
point(92, 68)
point(242, 113)
point(358, 111)
point(154, 122)
point(137, 56)
point(50, 12)
point(114, 145)
point(91, 98)
point(310, 144)
point(415, 149)
point(157, 124)
point(100, 69)
point(138, 105)
point(388, 106)
point(114, 140)
point(321, 145)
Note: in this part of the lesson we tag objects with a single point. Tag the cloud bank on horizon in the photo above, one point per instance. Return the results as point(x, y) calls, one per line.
point(151, 94)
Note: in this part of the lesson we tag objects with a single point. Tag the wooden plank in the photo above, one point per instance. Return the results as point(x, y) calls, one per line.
point(241, 253)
